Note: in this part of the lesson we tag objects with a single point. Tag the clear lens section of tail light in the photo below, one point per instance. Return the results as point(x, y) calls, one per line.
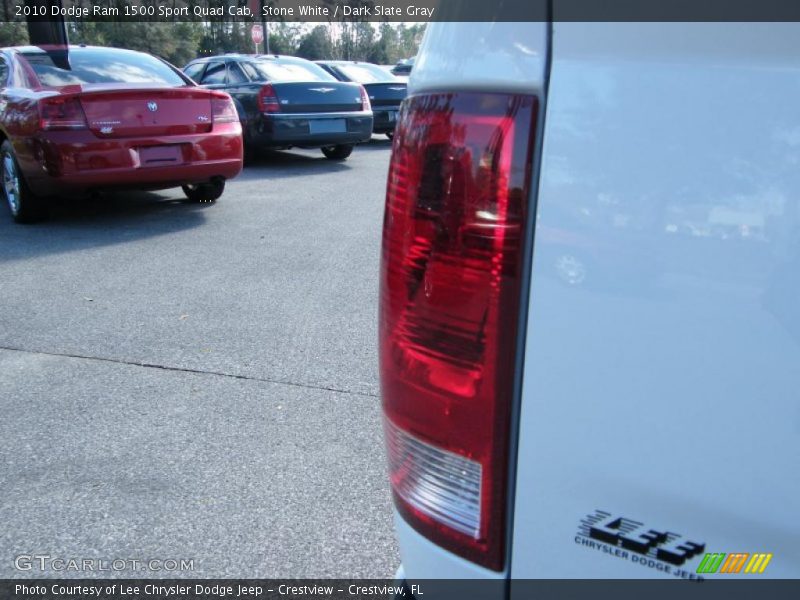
point(452, 257)
point(365, 103)
point(438, 483)
point(268, 100)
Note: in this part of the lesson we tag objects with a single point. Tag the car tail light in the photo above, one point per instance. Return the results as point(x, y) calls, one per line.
point(58, 113)
point(268, 100)
point(223, 110)
point(453, 237)
point(365, 104)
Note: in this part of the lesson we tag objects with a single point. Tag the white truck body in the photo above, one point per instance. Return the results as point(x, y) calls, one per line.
point(661, 361)
point(664, 390)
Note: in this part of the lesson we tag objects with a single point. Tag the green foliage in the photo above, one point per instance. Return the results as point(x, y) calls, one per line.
point(284, 38)
point(383, 45)
point(316, 45)
point(385, 50)
point(175, 42)
point(410, 38)
point(13, 34)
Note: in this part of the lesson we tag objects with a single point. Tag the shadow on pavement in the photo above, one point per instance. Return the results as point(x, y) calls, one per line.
point(289, 163)
point(88, 222)
point(299, 161)
point(377, 143)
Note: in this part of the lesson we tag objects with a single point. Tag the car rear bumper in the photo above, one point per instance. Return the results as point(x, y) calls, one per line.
point(68, 161)
point(311, 130)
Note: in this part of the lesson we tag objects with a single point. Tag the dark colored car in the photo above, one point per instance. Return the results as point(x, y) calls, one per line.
point(76, 119)
point(286, 102)
point(385, 91)
point(404, 67)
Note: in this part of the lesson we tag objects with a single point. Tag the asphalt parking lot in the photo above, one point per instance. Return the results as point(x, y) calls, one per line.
point(200, 382)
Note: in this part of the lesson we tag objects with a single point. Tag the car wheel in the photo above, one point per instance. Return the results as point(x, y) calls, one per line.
point(204, 192)
point(25, 206)
point(338, 152)
point(390, 135)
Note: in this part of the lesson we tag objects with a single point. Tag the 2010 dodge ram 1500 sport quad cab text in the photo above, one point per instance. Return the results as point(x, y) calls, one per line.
point(589, 335)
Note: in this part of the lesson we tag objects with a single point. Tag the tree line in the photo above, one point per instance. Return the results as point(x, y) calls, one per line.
point(180, 42)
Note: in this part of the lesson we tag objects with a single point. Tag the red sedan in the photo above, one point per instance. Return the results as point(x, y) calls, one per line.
point(87, 118)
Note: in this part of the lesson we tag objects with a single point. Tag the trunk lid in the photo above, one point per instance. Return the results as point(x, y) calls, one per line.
point(389, 94)
point(318, 96)
point(118, 113)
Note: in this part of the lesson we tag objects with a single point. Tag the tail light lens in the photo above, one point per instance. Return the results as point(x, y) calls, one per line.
point(453, 236)
point(268, 100)
point(223, 110)
point(365, 103)
point(61, 113)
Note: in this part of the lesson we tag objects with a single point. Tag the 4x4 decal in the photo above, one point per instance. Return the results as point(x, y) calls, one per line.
point(637, 537)
point(621, 537)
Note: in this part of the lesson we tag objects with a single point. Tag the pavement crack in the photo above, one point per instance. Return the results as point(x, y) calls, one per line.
point(147, 365)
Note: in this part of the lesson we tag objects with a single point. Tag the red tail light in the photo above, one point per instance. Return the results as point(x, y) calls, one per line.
point(453, 237)
point(365, 103)
point(59, 113)
point(268, 100)
point(223, 110)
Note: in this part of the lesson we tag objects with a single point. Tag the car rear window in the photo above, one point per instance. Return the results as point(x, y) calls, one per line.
point(366, 73)
point(194, 70)
point(215, 73)
point(100, 66)
point(277, 71)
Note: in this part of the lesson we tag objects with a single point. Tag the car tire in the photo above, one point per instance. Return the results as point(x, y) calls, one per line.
point(390, 135)
point(338, 152)
point(25, 206)
point(204, 192)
